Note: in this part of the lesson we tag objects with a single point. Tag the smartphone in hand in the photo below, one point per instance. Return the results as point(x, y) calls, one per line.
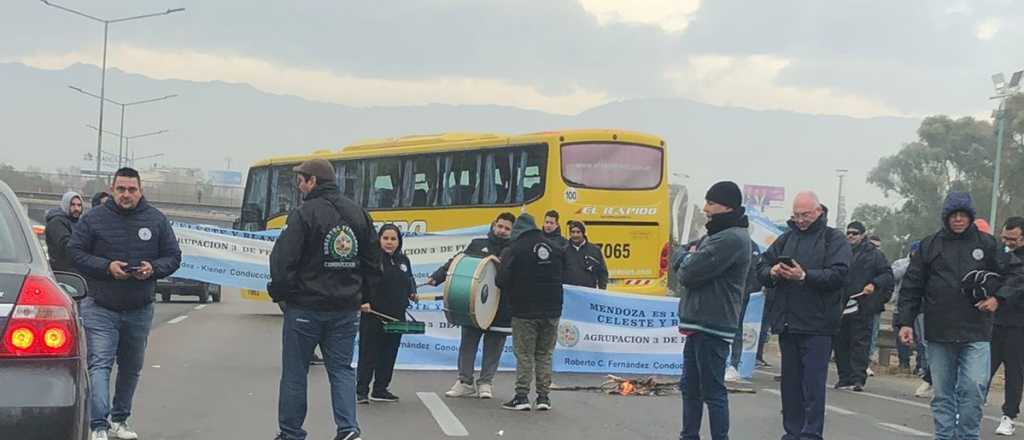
point(788, 261)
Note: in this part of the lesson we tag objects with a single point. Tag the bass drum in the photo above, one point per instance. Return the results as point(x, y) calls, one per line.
point(470, 296)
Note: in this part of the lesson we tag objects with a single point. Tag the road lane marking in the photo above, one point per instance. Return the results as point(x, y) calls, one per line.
point(200, 307)
point(840, 411)
point(771, 391)
point(450, 425)
point(178, 319)
point(904, 430)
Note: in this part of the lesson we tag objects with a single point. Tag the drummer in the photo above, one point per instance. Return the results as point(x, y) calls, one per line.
point(494, 338)
point(378, 349)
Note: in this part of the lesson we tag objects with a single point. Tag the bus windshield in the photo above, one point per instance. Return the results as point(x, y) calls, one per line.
point(611, 166)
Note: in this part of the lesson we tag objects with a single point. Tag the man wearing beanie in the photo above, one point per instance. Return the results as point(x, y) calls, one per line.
point(806, 267)
point(715, 276)
point(868, 287)
point(958, 329)
point(530, 275)
point(584, 262)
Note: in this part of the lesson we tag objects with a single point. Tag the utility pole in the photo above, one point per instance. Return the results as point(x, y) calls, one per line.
point(841, 202)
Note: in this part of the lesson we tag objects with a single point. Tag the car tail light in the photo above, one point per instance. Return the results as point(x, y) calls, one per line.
point(41, 324)
point(663, 261)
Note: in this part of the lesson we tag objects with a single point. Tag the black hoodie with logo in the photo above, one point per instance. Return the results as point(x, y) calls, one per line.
point(530, 275)
point(391, 296)
point(327, 256)
point(932, 282)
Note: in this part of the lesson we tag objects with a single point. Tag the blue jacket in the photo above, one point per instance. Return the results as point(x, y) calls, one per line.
point(109, 233)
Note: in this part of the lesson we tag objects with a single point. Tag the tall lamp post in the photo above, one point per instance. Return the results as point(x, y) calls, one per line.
point(122, 147)
point(1003, 90)
point(125, 139)
point(103, 70)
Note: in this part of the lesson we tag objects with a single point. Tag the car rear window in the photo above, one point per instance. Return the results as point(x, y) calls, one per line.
point(13, 247)
point(612, 166)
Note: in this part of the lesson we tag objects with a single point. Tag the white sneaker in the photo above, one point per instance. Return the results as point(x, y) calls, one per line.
point(1006, 426)
point(731, 375)
point(871, 373)
point(461, 390)
point(122, 431)
point(99, 435)
point(485, 391)
point(924, 391)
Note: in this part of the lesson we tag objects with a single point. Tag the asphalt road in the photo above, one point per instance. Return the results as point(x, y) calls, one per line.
point(214, 374)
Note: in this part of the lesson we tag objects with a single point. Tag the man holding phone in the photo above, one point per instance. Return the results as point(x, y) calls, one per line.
point(121, 247)
point(807, 267)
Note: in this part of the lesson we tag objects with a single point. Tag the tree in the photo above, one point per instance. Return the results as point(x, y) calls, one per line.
point(948, 155)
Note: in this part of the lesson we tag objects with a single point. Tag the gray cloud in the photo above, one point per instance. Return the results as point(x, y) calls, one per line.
point(915, 56)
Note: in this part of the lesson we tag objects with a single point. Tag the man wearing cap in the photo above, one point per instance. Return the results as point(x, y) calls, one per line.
point(323, 266)
point(584, 263)
point(868, 286)
point(715, 276)
point(958, 326)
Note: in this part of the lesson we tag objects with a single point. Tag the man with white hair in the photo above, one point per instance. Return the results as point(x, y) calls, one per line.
point(807, 267)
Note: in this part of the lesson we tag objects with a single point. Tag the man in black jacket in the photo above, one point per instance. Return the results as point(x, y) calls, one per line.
point(584, 262)
point(552, 231)
point(494, 337)
point(957, 326)
point(530, 275)
point(324, 267)
point(1008, 333)
point(868, 283)
point(807, 267)
point(121, 247)
point(59, 224)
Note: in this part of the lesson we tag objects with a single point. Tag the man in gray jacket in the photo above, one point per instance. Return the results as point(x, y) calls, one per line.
point(709, 312)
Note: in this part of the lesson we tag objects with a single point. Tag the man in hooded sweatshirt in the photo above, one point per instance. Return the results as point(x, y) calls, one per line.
point(60, 223)
point(494, 337)
point(530, 276)
point(715, 278)
point(958, 328)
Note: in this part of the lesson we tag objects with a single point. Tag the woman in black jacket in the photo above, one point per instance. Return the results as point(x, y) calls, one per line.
point(377, 349)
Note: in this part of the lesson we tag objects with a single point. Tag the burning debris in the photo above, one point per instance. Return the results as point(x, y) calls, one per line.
point(649, 386)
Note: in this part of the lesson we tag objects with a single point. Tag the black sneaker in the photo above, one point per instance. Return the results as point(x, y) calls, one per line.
point(857, 388)
point(762, 364)
point(543, 403)
point(348, 435)
point(518, 403)
point(361, 399)
point(842, 385)
point(383, 396)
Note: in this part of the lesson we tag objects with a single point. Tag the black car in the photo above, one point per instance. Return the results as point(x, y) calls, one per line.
point(44, 386)
point(165, 287)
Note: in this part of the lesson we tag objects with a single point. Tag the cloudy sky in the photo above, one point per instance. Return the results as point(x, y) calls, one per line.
point(848, 57)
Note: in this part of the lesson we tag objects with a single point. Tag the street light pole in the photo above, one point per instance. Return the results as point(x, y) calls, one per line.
point(1003, 91)
point(125, 139)
point(103, 72)
point(122, 151)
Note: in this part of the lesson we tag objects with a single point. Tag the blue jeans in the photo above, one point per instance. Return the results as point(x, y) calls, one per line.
point(960, 373)
point(303, 330)
point(804, 372)
point(876, 321)
point(113, 336)
point(703, 383)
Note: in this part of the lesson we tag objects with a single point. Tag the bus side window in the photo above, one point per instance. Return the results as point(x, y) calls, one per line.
point(461, 178)
point(384, 176)
point(498, 178)
point(256, 187)
point(419, 183)
point(350, 179)
point(530, 168)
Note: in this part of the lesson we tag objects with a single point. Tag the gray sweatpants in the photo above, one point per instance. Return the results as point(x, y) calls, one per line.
point(494, 344)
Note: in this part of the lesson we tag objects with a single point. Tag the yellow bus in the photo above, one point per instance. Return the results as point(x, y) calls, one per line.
point(613, 181)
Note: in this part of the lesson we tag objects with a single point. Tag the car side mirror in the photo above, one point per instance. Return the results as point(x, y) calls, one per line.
point(73, 284)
